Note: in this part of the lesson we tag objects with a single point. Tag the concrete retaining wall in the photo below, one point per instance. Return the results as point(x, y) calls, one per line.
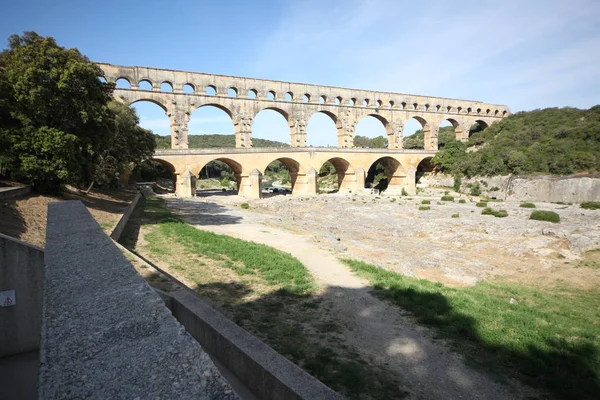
point(116, 233)
point(105, 333)
point(572, 189)
point(14, 192)
point(21, 270)
point(265, 372)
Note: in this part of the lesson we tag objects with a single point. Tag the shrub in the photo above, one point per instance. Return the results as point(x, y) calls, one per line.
point(497, 214)
point(457, 182)
point(475, 189)
point(488, 211)
point(549, 216)
point(447, 198)
point(225, 182)
point(426, 202)
point(591, 205)
point(455, 215)
point(527, 205)
point(404, 192)
point(424, 208)
point(501, 214)
point(481, 204)
point(495, 189)
point(245, 206)
point(462, 201)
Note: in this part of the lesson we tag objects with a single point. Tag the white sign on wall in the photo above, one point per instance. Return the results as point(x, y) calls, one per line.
point(7, 298)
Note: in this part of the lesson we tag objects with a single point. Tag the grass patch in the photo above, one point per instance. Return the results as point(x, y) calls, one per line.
point(551, 339)
point(447, 198)
point(245, 206)
point(549, 216)
point(424, 208)
point(462, 201)
point(457, 215)
point(527, 205)
point(270, 294)
point(481, 204)
point(590, 205)
point(426, 202)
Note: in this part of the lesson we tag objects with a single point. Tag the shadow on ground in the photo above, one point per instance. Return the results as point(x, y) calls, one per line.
point(289, 322)
point(195, 213)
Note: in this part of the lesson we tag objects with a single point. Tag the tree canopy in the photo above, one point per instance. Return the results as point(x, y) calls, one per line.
point(557, 141)
point(57, 123)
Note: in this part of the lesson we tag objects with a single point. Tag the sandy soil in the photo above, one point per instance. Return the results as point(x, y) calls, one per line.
point(25, 218)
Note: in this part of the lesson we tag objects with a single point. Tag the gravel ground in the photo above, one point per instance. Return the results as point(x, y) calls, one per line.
point(391, 232)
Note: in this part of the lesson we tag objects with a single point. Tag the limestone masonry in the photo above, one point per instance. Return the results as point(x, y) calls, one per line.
point(243, 98)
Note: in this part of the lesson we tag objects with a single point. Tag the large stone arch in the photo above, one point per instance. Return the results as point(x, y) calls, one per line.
point(395, 172)
point(295, 168)
point(386, 126)
point(148, 99)
point(336, 121)
point(345, 173)
point(430, 132)
point(235, 166)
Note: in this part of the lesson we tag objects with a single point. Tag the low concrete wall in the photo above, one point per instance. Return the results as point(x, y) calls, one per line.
point(116, 233)
point(105, 333)
point(14, 192)
point(21, 270)
point(573, 189)
point(265, 372)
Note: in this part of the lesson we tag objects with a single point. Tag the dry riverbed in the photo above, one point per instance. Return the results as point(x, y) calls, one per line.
point(391, 232)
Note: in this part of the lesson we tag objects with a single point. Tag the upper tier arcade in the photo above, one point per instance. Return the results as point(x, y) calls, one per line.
point(243, 98)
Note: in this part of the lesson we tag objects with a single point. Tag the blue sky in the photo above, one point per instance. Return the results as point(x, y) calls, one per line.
point(525, 54)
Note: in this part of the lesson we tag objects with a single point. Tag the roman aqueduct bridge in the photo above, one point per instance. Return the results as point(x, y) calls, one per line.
point(243, 98)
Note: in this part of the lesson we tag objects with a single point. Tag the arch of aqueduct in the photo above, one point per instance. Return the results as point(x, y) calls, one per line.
point(243, 98)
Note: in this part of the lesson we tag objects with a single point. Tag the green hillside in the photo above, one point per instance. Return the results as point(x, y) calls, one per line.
point(211, 141)
point(558, 141)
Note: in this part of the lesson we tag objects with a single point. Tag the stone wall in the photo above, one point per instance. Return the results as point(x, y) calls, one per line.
point(105, 333)
point(21, 270)
point(568, 189)
point(261, 369)
point(14, 192)
point(118, 230)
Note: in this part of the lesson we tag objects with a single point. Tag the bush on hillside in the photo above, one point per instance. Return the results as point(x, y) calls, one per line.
point(549, 216)
point(590, 205)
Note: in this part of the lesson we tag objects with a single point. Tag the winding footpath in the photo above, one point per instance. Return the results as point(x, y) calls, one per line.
point(428, 370)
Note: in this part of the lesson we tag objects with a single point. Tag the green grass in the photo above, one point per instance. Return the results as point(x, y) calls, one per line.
point(426, 202)
point(447, 198)
point(457, 215)
point(527, 205)
point(462, 201)
point(245, 206)
point(549, 216)
point(550, 338)
point(481, 204)
point(273, 297)
point(590, 205)
point(424, 208)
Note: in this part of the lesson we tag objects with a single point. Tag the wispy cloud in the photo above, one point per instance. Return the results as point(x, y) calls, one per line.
point(498, 52)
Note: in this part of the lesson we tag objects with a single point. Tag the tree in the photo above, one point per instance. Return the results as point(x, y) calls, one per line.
point(56, 124)
point(378, 142)
point(127, 144)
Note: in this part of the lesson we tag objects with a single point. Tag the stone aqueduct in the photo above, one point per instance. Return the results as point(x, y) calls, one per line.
point(243, 98)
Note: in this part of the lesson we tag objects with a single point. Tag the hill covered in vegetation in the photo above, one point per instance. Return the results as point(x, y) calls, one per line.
point(212, 141)
point(558, 141)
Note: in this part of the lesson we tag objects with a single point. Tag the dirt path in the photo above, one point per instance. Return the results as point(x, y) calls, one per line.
point(375, 328)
